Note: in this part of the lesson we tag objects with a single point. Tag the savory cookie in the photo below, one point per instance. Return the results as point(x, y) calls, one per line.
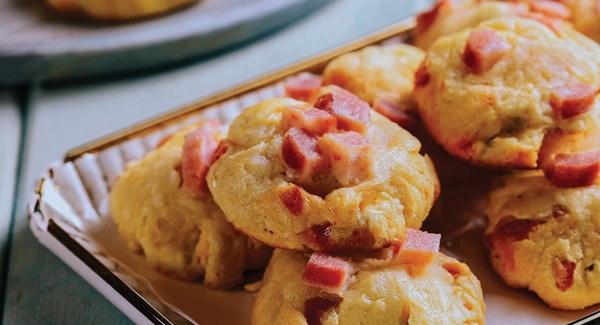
point(181, 235)
point(118, 9)
point(376, 293)
point(378, 73)
point(329, 179)
point(489, 95)
point(451, 16)
point(448, 17)
point(586, 17)
point(546, 239)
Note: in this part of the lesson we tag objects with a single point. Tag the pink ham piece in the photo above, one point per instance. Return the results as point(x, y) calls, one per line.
point(418, 247)
point(197, 156)
point(563, 271)
point(550, 9)
point(395, 114)
point(422, 76)
point(317, 308)
point(569, 101)
point(303, 86)
point(327, 272)
point(351, 112)
point(574, 170)
point(483, 50)
point(349, 156)
point(508, 231)
point(314, 121)
point(427, 18)
point(302, 155)
point(571, 159)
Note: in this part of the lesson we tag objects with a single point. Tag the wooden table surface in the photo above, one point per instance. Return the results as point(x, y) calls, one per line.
point(39, 123)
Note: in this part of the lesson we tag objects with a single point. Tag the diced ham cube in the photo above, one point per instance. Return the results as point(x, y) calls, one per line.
point(569, 101)
point(302, 155)
point(351, 112)
point(563, 271)
point(221, 150)
point(395, 114)
point(293, 199)
point(571, 159)
point(418, 247)
point(484, 49)
point(318, 237)
point(550, 8)
point(422, 76)
point(427, 18)
point(316, 308)
point(508, 231)
point(574, 170)
point(197, 157)
point(314, 121)
point(327, 272)
point(349, 156)
point(302, 87)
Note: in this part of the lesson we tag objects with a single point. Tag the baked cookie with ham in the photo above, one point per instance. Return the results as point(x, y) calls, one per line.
point(546, 238)
point(324, 289)
point(163, 210)
point(333, 176)
point(383, 76)
point(490, 95)
point(452, 16)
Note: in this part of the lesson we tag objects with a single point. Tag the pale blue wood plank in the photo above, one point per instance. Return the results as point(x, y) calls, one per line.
point(10, 137)
point(43, 289)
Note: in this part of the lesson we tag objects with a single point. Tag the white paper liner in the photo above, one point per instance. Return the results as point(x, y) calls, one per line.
point(75, 196)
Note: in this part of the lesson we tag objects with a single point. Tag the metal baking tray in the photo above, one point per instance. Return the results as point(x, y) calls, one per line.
point(69, 215)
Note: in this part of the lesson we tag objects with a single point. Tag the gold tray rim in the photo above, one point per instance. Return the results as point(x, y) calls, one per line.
point(313, 64)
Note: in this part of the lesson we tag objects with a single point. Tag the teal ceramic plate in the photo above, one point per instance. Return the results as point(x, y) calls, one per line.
point(36, 44)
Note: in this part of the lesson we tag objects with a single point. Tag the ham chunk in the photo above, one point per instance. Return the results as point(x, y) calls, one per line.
point(427, 18)
point(317, 308)
point(569, 101)
point(395, 114)
point(550, 9)
point(302, 155)
point(508, 231)
point(422, 76)
point(302, 87)
point(351, 112)
point(418, 247)
point(571, 159)
point(574, 170)
point(563, 271)
point(483, 50)
point(314, 121)
point(327, 272)
point(197, 157)
point(349, 156)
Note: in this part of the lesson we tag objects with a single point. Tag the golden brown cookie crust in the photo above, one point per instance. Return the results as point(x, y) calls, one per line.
point(499, 118)
point(377, 73)
point(546, 239)
point(447, 293)
point(180, 236)
point(249, 182)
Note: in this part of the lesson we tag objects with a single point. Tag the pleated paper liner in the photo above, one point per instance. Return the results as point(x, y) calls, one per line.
point(69, 214)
